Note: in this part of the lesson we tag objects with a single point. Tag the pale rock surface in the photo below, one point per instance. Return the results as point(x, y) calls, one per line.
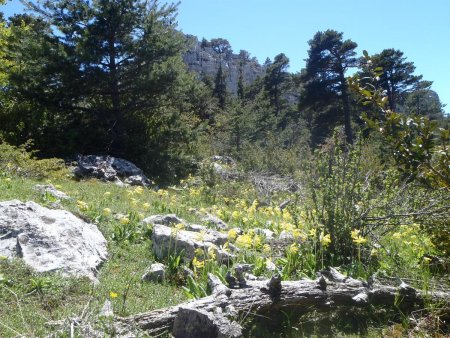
point(155, 273)
point(170, 240)
point(51, 190)
point(50, 240)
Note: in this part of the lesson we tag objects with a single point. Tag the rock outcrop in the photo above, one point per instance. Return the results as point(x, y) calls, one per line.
point(205, 60)
point(111, 169)
point(172, 235)
point(50, 240)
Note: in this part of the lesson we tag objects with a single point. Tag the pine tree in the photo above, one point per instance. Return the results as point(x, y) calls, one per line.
point(324, 82)
point(112, 74)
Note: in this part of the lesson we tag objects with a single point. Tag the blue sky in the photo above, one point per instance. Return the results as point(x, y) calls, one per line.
point(265, 28)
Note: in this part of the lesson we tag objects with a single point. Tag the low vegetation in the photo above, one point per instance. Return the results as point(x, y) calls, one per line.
point(376, 239)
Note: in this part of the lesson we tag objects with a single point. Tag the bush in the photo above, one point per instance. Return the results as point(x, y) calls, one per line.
point(20, 161)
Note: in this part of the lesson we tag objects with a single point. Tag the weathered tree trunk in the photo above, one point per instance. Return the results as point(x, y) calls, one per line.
point(330, 291)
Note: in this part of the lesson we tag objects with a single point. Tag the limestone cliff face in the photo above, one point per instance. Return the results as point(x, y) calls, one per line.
point(205, 60)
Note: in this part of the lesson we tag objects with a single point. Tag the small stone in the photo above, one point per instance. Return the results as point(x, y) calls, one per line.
point(51, 190)
point(187, 272)
point(155, 273)
point(107, 309)
point(286, 235)
point(270, 266)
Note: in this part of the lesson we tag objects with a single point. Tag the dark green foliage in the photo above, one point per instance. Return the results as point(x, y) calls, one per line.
point(220, 87)
point(276, 81)
point(105, 73)
point(221, 46)
point(396, 76)
point(324, 85)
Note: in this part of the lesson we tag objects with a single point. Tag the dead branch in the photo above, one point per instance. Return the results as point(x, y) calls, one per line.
point(329, 291)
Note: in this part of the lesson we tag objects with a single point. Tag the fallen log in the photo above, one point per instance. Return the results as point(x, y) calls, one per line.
point(217, 311)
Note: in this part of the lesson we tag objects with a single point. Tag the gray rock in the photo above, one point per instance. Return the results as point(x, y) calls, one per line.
point(187, 272)
point(204, 60)
point(195, 323)
point(50, 240)
point(286, 235)
point(211, 220)
point(110, 168)
point(168, 241)
point(168, 220)
point(107, 309)
point(269, 234)
point(155, 273)
point(224, 173)
point(270, 266)
point(51, 190)
point(227, 160)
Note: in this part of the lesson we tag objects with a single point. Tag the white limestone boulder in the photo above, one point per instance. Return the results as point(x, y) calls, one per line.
point(50, 240)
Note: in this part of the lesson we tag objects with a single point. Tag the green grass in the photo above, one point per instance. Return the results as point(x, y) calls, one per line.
point(26, 312)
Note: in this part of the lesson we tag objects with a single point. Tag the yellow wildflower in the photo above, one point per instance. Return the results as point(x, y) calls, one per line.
point(212, 253)
point(225, 247)
point(297, 233)
point(293, 249)
point(198, 264)
point(179, 226)
point(277, 211)
point(113, 295)
point(83, 206)
point(325, 240)
point(106, 212)
point(134, 201)
point(244, 241)
point(267, 249)
point(146, 206)
point(359, 240)
point(313, 232)
point(199, 252)
point(107, 194)
point(287, 215)
point(287, 226)
point(355, 233)
point(124, 220)
point(257, 241)
point(236, 214)
point(139, 190)
point(373, 252)
point(396, 235)
point(232, 234)
point(162, 193)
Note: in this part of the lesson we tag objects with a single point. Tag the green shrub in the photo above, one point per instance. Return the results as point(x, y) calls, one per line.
point(21, 161)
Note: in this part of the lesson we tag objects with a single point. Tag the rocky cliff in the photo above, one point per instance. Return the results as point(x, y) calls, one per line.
point(205, 57)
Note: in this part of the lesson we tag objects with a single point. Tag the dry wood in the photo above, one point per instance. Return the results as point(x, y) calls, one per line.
point(330, 290)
